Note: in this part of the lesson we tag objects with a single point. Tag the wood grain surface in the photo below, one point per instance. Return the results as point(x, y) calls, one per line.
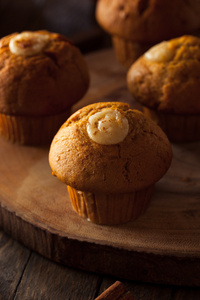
point(26, 275)
point(161, 246)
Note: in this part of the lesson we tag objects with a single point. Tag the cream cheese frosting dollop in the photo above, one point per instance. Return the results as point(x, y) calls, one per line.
point(107, 127)
point(161, 52)
point(28, 43)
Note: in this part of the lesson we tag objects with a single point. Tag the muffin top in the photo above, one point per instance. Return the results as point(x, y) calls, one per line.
point(41, 73)
point(148, 21)
point(109, 148)
point(166, 77)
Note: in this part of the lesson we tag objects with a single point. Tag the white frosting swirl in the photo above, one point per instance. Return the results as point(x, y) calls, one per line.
point(160, 52)
point(28, 43)
point(107, 127)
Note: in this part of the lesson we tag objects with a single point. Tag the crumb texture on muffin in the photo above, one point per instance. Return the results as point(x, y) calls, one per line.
point(41, 73)
point(148, 20)
point(136, 162)
point(166, 77)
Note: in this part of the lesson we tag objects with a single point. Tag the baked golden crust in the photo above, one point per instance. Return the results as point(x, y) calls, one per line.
point(148, 20)
point(137, 162)
point(171, 85)
point(46, 83)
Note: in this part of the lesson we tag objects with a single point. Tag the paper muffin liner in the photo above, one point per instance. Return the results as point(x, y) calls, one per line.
point(110, 209)
point(127, 51)
point(31, 130)
point(178, 127)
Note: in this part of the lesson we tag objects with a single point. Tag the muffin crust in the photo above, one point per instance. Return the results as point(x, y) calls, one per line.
point(148, 20)
point(171, 84)
point(45, 83)
point(140, 160)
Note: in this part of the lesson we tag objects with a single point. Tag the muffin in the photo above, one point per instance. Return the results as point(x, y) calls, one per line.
point(110, 157)
point(165, 80)
point(42, 75)
point(137, 25)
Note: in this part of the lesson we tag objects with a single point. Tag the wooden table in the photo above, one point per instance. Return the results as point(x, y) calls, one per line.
point(25, 274)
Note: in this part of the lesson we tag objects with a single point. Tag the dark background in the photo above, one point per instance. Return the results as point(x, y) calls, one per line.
point(72, 18)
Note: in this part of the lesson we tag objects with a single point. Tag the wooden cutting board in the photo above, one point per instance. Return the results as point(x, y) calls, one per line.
point(162, 246)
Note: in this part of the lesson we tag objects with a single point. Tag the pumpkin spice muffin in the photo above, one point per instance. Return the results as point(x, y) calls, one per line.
point(166, 81)
point(110, 157)
point(42, 75)
point(137, 25)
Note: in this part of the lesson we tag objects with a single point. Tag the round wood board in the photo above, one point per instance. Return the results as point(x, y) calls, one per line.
point(162, 246)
